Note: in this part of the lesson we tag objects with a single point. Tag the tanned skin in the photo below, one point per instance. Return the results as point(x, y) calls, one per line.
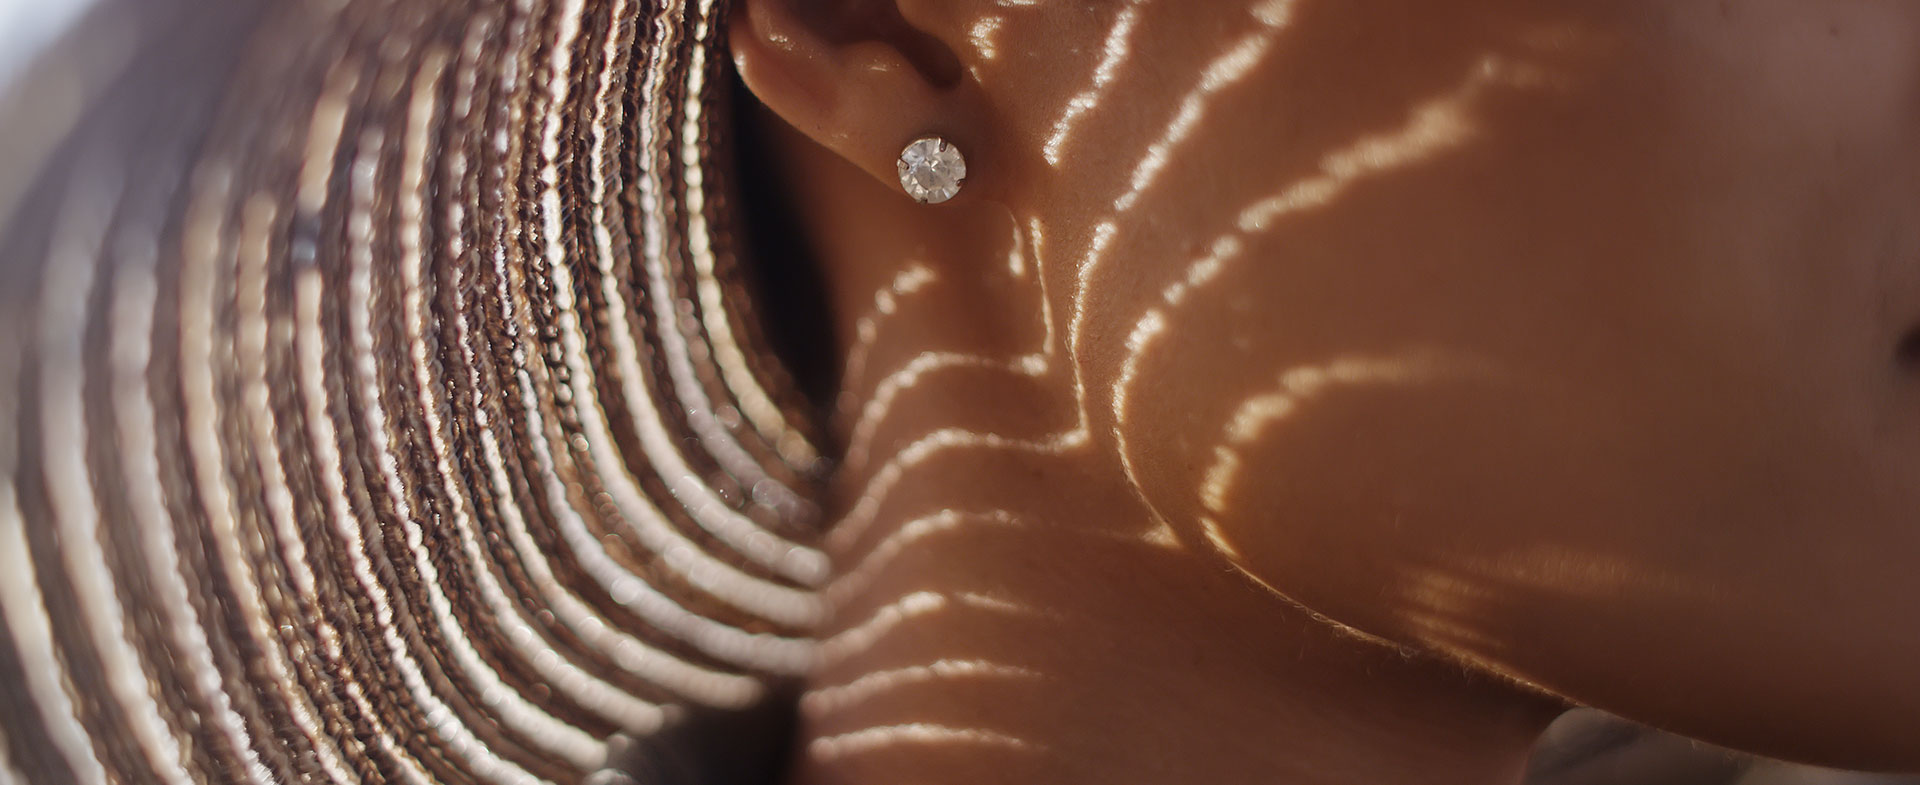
point(1331, 392)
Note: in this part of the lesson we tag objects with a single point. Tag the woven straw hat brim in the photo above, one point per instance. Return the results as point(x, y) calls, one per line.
point(381, 400)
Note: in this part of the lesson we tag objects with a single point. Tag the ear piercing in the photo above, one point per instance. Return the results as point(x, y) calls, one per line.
point(931, 170)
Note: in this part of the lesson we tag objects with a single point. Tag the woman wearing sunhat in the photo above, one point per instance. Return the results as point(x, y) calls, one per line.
point(848, 392)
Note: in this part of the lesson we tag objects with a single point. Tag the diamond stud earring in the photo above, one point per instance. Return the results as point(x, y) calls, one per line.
point(931, 169)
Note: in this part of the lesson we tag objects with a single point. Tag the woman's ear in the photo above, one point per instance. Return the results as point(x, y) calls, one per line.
point(857, 78)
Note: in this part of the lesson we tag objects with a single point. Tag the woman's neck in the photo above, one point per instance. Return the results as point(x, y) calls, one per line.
point(1008, 611)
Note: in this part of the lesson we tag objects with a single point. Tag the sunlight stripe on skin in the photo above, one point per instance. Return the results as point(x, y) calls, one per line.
point(1228, 69)
point(1272, 16)
point(135, 294)
point(913, 605)
point(909, 281)
point(1146, 332)
point(917, 369)
point(860, 577)
point(875, 489)
point(754, 401)
point(1017, 257)
point(860, 437)
point(830, 748)
point(1599, 577)
point(862, 636)
point(987, 602)
point(880, 404)
point(1118, 45)
point(201, 242)
point(856, 580)
point(826, 700)
point(1437, 605)
point(982, 34)
point(1301, 384)
point(865, 509)
point(1433, 127)
point(1103, 235)
point(69, 277)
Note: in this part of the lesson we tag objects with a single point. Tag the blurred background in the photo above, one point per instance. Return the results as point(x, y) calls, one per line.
point(28, 25)
point(1584, 747)
point(1587, 747)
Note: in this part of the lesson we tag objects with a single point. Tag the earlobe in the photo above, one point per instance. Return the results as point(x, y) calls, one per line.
point(789, 66)
point(864, 91)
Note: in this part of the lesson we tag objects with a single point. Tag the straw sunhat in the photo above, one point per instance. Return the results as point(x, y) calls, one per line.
point(381, 398)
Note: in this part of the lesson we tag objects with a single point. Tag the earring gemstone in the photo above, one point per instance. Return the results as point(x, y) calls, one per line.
point(931, 170)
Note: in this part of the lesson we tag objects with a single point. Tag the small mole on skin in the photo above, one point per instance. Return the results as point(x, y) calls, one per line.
point(1908, 352)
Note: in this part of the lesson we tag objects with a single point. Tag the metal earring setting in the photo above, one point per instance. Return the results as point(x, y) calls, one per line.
point(931, 170)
